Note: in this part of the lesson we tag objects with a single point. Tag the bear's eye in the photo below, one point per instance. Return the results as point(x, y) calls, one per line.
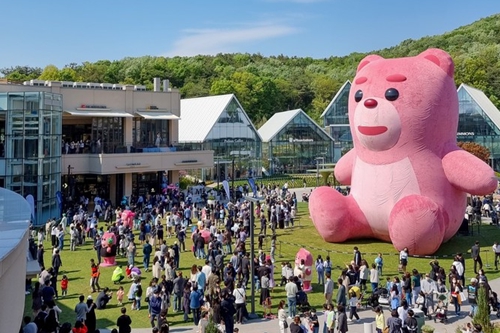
point(358, 95)
point(391, 94)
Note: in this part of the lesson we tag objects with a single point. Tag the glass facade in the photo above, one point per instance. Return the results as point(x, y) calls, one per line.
point(107, 136)
point(336, 121)
point(31, 141)
point(149, 133)
point(232, 138)
point(474, 125)
point(296, 148)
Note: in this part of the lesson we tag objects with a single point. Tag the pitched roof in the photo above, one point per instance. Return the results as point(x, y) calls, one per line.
point(334, 99)
point(278, 121)
point(199, 115)
point(483, 102)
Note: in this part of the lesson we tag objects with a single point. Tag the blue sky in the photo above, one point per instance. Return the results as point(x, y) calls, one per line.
point(38, 33)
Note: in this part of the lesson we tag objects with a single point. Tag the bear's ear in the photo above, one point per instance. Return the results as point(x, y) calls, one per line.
point(440, 58)
point(368, 59)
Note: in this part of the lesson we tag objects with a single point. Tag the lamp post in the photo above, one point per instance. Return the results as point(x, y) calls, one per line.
point(232, 181)
point(252, 200)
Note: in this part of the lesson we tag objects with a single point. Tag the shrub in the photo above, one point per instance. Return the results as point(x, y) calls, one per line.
point(482, 316)
point(427, 329)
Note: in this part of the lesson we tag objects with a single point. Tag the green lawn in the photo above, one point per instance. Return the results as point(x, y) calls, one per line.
point(76, 266)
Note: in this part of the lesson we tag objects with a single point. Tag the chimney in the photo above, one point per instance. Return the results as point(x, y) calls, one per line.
point(166, 85)
point(156, 84)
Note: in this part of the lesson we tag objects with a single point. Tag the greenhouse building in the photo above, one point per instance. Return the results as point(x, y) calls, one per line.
point(479, 121)
point(294, 143)
point(219, 123)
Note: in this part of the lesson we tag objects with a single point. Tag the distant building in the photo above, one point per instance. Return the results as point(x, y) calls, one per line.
point(220, 123)
point(336, 121)
point(62, 140)
point(294, 143)
point(479, 121)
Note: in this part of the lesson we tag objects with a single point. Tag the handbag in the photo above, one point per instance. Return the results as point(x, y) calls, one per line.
point(386, 329)
point(285, 324)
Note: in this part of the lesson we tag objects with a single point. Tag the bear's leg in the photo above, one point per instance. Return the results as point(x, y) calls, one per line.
point(417, 222)
point(336, 217)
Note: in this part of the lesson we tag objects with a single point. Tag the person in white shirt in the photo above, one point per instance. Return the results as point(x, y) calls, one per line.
point(374, 278)
point(428, 287)
point(206, 269)
point(496, 250)
point(239, 302)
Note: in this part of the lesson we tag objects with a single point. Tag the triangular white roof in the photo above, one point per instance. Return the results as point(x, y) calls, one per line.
point(199, 115)
point(483, 102)
point(278, 121)
point(335, 97)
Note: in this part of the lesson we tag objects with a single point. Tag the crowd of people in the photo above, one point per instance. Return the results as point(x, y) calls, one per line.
point(217, 287)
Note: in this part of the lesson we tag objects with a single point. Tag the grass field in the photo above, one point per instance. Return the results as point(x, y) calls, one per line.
point(76, 266)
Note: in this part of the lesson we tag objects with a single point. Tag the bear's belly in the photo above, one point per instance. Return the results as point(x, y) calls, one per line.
point(377, 188)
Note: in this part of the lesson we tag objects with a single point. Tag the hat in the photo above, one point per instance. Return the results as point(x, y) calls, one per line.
point(131, 266)
point(473, 280)
point(89, 297)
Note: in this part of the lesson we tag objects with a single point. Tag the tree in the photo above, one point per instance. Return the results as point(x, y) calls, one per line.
point(476, 149)
point(482, 316)
point(50, 73)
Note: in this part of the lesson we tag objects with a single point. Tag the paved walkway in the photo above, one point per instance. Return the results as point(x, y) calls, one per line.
point(367, 316)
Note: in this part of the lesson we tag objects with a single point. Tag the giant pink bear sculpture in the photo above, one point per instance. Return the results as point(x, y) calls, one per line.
point(306, 271)
point(408, 178)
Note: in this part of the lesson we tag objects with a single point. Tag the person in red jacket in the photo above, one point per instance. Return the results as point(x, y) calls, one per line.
point(79, 327)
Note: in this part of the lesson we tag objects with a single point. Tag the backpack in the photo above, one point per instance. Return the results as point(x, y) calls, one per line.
point(138, 291)
point(328, 267)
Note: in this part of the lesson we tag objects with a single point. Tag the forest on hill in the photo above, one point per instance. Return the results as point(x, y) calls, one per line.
point(265, 85)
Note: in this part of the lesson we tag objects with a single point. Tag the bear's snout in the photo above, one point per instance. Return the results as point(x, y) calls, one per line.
point(371, 103)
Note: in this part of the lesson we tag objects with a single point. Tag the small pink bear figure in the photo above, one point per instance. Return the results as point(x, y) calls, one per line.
point(409, 180)
point(108, 249)
point(127, 218)
point(304, 269)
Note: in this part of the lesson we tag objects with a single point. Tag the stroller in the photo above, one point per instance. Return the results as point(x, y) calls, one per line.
point(440, 314)
point(302, 302)
point(494, 304)
point(382, 296)
point(372, 301)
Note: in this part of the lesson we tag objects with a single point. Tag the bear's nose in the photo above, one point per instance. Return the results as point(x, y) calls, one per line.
point(370, 103)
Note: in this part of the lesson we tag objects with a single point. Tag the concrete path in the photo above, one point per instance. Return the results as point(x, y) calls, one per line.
point(367, 316)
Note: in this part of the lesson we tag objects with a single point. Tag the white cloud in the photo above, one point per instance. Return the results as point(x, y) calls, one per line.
point(213, 41)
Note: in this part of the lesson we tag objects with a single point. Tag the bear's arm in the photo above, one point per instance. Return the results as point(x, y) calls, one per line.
point(468, 173)
point(343, 168)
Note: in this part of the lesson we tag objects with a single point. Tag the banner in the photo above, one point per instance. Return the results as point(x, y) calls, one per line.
point(225, 184)
point(31, 202)
point(251, 181)
point(59, 198)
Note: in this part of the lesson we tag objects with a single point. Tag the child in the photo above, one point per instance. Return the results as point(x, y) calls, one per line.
point(119, 296)
point(64, 285)
point(353, 303)
point(138, 295)
point(267, 308)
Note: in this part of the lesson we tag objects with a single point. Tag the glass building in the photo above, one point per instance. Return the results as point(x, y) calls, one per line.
point(479, 121)
point(294, 143)
point(30, 148)
point(219, 123)
point(336, 121)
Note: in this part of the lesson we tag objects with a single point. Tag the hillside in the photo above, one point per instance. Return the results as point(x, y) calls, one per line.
point(265, 85)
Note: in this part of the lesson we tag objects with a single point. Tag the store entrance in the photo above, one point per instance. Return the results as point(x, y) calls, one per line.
point(146, 183)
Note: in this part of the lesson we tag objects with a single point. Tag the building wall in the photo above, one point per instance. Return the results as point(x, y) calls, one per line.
point(106, 164)
point(12, 285)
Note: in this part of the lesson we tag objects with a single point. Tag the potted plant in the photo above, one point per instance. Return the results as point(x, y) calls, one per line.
point(427, 329)
point(211, 199)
